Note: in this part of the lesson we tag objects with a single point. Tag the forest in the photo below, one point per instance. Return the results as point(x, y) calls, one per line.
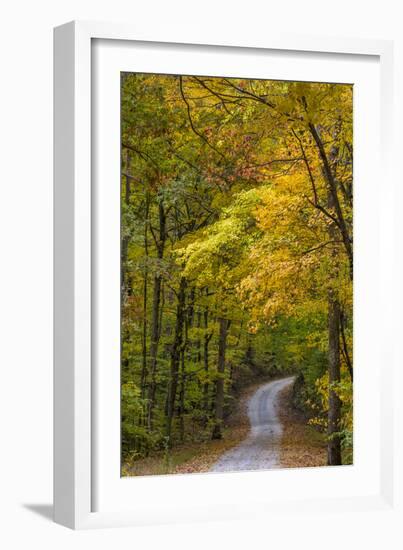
point(236, 257)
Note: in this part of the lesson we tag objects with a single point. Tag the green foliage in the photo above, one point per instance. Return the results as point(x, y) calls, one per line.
point(226, 216)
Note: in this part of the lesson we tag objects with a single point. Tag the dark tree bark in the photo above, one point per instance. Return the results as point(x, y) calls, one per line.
point(144, 372)
point(198, 343)
point(337, 226)
point(177, 348)
point(334, 413)
point(231, 373)
point(125, 240)
point(190, 317)
point(219, 396)
point(181, 411)
point(191, 304)
point(155, 315)
point(346, 354)
point(206, 342)
point(335, 203)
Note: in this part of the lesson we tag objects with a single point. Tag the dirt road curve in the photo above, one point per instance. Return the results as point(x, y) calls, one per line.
point(259, 451)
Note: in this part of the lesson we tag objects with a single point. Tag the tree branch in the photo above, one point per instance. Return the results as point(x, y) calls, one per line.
point(333, 191)
point(195, 130)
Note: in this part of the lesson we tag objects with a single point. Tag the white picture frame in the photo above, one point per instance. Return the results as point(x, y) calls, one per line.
point(76, 415)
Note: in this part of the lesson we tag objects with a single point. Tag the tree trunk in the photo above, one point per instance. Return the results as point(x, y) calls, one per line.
point(155, 316)
point(154, 346)
point(182, 398)
point(206, 341)
point(335, 203)
point(177, 348)
point(144, 372)
point(345, 346)
point(125, 240)
point(198, 343)
point(219, 396)
point(334, 413)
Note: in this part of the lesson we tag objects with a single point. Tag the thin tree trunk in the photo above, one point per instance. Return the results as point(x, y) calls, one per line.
point(198, 343)
point(155, 316)
point(191, 307)
point(123, 267)
point(177, 347)
point(231, 371)
point(182, 398)
point(125, 240)
point(332, 187)
point(345, 347)
point(144, 372)
point(154, 347)
point(219, 396)
point(162, 305)
point(334, 413)
point(206, 341)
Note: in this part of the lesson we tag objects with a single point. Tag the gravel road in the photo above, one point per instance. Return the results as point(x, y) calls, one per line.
point(259, 451)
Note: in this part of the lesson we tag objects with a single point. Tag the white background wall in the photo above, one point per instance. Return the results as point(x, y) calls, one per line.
point(26, 253)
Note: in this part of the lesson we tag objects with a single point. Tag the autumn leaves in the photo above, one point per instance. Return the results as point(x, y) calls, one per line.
point(237, 256)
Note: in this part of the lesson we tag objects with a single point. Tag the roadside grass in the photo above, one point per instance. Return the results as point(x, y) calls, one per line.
point(188, 458)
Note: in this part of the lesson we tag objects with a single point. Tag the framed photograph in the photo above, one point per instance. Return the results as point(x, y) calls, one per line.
point(223, 280)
